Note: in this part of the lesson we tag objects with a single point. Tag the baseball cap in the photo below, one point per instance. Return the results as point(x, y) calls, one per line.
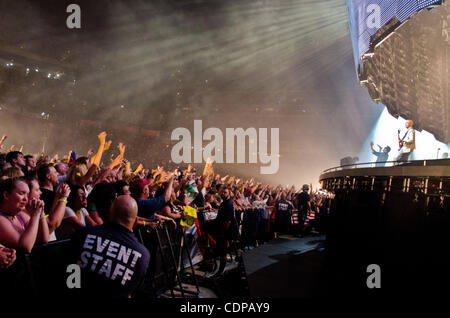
point(138, 185)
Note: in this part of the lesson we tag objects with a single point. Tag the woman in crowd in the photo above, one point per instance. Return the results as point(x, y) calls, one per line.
point(21, 219)
point(76, 215)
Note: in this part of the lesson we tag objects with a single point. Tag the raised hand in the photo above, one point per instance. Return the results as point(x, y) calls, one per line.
point(107, 145)
point(102, 137)
point(63, 191)
point(121, 147)
point(138, 169)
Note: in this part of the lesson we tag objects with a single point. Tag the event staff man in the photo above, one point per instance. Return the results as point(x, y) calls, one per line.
point(303, 207)
point(113, 263)
point(224, 224)
point(407, 144)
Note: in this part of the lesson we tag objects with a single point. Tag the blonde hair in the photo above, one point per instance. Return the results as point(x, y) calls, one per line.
point(75, 173)
point(12, 172)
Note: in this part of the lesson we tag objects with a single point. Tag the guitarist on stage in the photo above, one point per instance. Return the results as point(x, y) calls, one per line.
point(407, 143)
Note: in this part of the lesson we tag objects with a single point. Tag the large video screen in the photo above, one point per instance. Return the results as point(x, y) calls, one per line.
point(367, 16)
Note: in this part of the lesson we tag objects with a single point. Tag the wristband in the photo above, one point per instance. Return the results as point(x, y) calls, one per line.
point(62, 200)
point(43, 217)
point(144, 223)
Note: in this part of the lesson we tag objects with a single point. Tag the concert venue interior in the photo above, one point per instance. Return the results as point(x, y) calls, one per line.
point(320, 90)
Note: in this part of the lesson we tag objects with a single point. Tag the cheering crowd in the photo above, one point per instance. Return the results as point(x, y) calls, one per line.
point(98, 205)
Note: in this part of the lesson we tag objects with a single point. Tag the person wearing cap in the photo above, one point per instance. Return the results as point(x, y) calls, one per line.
point(147, 207)
point(303, 206)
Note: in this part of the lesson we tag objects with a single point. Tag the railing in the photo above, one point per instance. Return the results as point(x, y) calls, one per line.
point(382, 164)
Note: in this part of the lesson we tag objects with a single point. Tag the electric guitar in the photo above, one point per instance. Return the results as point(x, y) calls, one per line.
point(400, 141)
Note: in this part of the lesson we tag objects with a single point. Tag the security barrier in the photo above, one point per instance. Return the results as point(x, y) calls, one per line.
point(42, 273)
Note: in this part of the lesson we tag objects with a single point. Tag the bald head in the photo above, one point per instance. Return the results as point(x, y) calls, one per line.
point(124, 211)
point(409, 123)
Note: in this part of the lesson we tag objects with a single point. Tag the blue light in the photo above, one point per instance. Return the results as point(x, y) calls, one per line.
point(425, 3)
point(361, 14)
point(384, 134)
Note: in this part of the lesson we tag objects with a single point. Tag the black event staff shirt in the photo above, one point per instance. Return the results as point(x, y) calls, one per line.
point(113, 263)
point(302, 201)
point(226, 213)
point(283, 206)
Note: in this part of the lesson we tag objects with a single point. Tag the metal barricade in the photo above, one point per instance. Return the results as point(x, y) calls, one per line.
point(166, 245)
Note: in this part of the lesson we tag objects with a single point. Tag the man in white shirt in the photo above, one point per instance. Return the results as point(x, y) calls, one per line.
point(407, 143)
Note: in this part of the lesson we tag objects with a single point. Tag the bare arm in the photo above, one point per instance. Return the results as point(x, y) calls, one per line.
point(95, 160)
point(167, 211)
point(84, 179)
point(89, 221)
point(10, 237)
point(168, 192)
point(43, 235)
point(58, 208)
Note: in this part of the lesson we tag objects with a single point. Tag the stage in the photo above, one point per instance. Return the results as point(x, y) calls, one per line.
point(287, 267)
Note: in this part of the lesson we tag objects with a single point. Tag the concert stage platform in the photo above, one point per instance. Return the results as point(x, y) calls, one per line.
point(395, 217)
point(429, 177)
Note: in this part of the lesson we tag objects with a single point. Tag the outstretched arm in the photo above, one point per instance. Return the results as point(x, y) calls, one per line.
point(95, 160)
point(2, 140)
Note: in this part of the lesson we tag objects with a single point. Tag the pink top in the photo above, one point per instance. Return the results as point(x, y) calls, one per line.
point(21, 221)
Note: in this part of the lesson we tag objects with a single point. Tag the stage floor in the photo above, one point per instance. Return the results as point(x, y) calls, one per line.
point(287, 267)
